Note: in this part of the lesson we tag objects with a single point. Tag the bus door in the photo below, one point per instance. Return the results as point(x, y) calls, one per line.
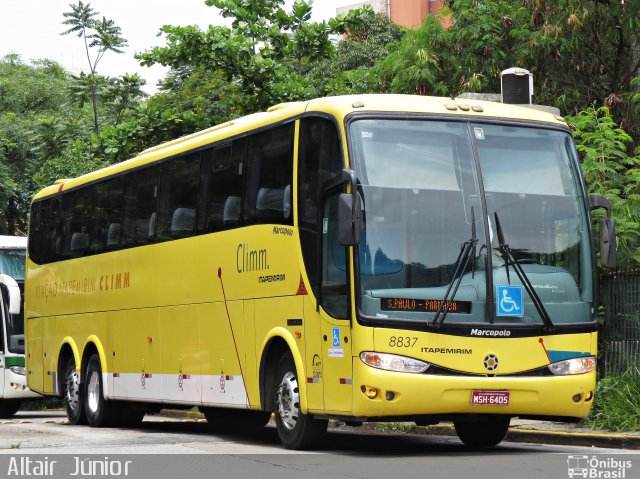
point(334, 313)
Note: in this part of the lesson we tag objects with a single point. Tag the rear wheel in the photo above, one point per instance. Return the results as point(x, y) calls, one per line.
point(99, 412)
point(72, 392)
point(8, 407)
point(482, 432)
point(234, 420)
point(295, 429)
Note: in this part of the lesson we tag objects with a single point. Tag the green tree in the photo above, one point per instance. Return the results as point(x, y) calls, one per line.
point(263, 56)
point(611, 170)
point(580, 52)
point(367, 38)
point(30, 97)
point(99, 36)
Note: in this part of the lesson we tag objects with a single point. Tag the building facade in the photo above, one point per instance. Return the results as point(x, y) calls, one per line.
point(408, 13)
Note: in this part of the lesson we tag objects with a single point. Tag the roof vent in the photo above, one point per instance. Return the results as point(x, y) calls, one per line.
point(516, 85)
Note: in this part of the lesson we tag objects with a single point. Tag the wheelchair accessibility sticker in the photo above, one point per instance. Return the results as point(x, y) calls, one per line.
point(509, 300)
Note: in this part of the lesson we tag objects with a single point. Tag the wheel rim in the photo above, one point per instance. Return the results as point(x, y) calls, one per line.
point(93, 391)
point(288, 401)
point(72, 393)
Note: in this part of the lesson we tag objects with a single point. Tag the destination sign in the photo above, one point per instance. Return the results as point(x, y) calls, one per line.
point(424, 305)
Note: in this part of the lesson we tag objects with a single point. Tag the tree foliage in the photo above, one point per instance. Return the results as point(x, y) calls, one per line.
point(611, 170)
point(29, 96)
point(579, 51)
point(584, 54)
point(263, 56)
point(99, 36)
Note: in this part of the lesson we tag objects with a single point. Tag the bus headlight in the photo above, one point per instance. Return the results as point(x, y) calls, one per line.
point(392, 362)
point(573, 366)
point(18, 370)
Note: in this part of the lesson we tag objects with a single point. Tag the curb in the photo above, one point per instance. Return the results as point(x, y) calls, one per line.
point(604, 440)
point(540, 436)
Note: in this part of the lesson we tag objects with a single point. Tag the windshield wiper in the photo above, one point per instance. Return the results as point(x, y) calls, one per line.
point(507, 256)
point(467, 251)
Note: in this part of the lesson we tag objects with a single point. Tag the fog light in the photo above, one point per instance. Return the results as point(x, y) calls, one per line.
point(588, 396)
point(372, 393)
point(390, 395)
point(577, 397)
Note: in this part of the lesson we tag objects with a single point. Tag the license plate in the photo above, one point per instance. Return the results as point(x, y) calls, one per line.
point(490, 398)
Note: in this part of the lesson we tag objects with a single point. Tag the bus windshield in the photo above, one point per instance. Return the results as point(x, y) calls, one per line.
point(424, 182)
point(12, 263)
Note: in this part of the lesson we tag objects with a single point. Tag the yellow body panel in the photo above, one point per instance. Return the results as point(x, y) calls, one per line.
point(188, 321)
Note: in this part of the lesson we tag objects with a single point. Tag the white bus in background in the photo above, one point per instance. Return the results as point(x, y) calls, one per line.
point(13, 384)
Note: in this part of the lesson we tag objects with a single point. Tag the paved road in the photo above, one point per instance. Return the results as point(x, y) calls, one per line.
point(175, 448)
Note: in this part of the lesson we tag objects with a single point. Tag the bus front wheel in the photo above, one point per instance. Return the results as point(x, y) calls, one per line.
point(482, 432)
point(72, 392)
point(295, 429)
point(99, 412)
point(8, 407)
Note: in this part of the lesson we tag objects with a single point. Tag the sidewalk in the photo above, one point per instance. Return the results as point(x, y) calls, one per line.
point(545, 432)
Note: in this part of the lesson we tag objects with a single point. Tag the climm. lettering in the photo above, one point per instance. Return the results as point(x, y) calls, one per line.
point(248, 259)
point(115, 281)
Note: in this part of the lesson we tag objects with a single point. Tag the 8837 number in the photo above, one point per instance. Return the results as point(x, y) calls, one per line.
point(403, 341)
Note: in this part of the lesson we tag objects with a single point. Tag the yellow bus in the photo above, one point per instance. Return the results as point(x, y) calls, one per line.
point(363, 258)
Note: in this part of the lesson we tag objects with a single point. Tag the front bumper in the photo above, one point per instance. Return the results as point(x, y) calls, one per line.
point(406, 394)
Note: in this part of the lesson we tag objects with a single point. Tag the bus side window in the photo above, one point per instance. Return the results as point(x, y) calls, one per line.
point(179, 187)
point(222, 187)
point(36, 233)
point(78, 206)
point(334, 264)
point(269, 177)
point(55, 226)
point(108, 213)
point(141, 204)
point(319, 159)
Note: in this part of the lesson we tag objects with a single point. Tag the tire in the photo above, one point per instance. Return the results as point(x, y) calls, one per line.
point(487, 431)
point(99, 412)
point(72, 394)
point(295, 429)
point(235, 420)
point(8, 407)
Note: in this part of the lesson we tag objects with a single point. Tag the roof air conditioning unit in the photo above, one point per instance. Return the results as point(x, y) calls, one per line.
point(516, 85)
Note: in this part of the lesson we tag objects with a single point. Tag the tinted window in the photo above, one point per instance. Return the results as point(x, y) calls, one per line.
point(109, 214)
point(223, 168)
point(179, 197)
point(78, 219)
point(141, 201)
point(269, 177)
point(319, 160)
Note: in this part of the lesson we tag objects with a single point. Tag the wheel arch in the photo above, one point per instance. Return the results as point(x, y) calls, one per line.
point(276, 343)
point(92, 346)
point(68, 349)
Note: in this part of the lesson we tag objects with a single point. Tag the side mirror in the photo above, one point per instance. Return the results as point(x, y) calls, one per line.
point(349, 217)
point(607, 231)
point(13, 293)
point(608, 243)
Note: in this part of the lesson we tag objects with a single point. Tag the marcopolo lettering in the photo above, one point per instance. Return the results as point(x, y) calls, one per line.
point(491, 332)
